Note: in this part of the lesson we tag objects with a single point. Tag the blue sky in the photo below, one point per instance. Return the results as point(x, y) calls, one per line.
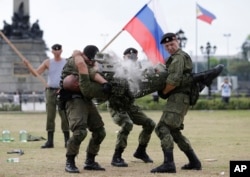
point(77, 23)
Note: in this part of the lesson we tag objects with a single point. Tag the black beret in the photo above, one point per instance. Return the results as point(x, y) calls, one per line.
point(168, 37)
point(56, 47)
point(130, 51)
point(90, 51)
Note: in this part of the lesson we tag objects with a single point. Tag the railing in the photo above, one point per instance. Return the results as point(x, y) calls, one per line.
point(22, 102)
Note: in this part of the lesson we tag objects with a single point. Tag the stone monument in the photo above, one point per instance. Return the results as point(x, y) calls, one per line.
point(28, 40)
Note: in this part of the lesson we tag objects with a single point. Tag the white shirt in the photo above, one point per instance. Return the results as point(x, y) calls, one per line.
point(55, 70)
point(16, 99)
point(226, 89)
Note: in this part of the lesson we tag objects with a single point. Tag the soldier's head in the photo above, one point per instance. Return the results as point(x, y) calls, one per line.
point(130, 53)
point(90, 51)
point(56, 49)
point(170, 42)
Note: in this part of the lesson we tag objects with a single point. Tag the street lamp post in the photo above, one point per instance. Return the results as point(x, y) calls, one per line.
point(209, 50)
point(181, 38)
point(227, 37)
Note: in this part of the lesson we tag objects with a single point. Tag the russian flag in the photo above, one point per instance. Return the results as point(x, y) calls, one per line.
point(147, 28)
point(204, 14)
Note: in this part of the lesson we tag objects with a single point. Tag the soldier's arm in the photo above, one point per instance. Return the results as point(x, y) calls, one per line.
point(175, 74)
point(98, 78)
point(79, 62)
point(168, 88)
point(40, 69)
point(79, 57)
point(87, 87)
point(44, 66)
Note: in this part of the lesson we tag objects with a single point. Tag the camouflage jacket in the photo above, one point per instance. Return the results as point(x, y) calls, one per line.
point(88, 87)
point(179, 67)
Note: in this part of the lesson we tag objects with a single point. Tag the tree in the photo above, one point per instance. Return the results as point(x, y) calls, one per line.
point(240, 68)
point(246, 49)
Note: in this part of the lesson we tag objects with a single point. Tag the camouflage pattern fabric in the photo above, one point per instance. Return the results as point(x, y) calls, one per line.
point(172, 120)
point(82, 114)
point(51, 108)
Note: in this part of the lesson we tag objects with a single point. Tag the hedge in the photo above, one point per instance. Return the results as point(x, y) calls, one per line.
point(147, 103)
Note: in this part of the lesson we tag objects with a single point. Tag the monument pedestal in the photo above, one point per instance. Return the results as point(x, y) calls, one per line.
point(14, 75)
point(28, 40)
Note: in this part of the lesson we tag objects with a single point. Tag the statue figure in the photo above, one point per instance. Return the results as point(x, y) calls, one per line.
point(20, 27)
point(35, 31)
point(7, 29)
point(20, 23)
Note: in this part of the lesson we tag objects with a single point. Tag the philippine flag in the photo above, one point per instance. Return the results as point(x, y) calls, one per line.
point(204, 15)
point(147, 28)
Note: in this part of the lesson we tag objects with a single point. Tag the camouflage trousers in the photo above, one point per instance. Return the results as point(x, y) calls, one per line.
point(171, 123)
point(126, 119)
point(51, 109)
point(83, 114)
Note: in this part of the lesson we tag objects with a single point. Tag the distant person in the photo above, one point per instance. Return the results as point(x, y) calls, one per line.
point(226, 88)
point(155, 97)
point(128, 117)
point(16, 98)
point(54, 67)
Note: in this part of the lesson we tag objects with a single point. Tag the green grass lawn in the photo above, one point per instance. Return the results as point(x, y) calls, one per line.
point(216, 136)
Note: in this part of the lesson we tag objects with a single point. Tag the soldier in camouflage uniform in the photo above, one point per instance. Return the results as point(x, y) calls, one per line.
point(179, 66)
point(81, 111)
point(125, 118)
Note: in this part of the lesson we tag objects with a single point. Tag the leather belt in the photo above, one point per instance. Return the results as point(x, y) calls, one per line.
point(52, 88)
point(76, 96)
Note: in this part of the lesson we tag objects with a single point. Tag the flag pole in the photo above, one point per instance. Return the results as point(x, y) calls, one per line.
point(111, 40)
point(196, 42)
point(121, 30)
point(27, 63)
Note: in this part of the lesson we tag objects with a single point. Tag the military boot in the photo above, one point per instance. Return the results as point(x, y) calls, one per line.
point(207, 77)
point(168, 165)
point(70, 164)
point(140, 153)
point(66, 138)
point(90, 163)
point(194, 162)
point(117, 159)
point(49, 143)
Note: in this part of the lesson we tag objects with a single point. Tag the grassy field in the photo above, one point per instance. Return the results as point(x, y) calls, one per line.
point(217, 137)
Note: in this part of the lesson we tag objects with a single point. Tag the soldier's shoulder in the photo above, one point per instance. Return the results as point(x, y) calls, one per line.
point(70, 60)
point(181, 52)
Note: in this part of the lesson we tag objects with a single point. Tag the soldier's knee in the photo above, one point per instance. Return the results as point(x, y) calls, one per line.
point(149, 126)
point(161, 131)
point(99, 135)
point(79, 136)
point(127, 127)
